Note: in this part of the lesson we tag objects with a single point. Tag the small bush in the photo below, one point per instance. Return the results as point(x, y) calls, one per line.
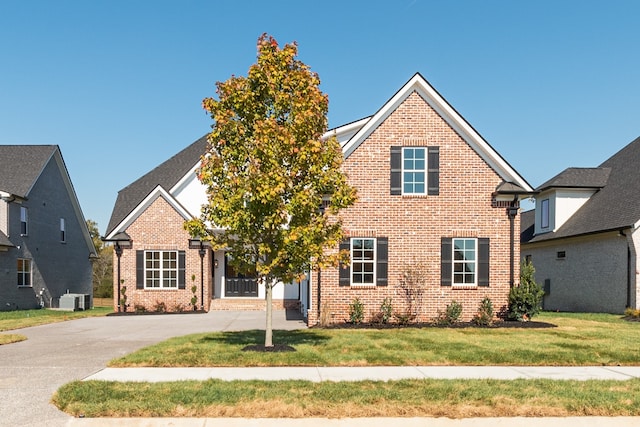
point(525, 300)
point(484, 316)
point(404, 318)
point(450, 316)
point(356, 311)
point(139, 308)
point(632, 313)
point(160, 307)
point(179, 308)
point(386, 310)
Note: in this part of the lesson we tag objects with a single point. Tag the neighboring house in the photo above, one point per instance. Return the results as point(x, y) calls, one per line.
point(583, 236)
point(431, 191)
point(45, 246)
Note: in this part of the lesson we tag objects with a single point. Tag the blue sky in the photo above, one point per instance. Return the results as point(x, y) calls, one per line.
point(118, 84)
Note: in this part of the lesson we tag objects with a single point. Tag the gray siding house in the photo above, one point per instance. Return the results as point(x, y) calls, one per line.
point(583, 236)
point(45, 246)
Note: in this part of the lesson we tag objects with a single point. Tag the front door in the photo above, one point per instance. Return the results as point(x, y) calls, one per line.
point(239, 284)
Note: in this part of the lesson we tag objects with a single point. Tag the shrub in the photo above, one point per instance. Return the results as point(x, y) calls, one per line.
point(632, 313)
point(450, 316)
point(178, 308)
point(525, 300)
point(160, 307)
point(139, 308)
point(484, 316)
point(194, 298)
point(356, 311)
point(386, 310)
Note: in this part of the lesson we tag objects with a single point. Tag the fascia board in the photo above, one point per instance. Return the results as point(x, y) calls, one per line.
point(151, 197)
point(418, 84)
point(346, 130)
point(185, 178)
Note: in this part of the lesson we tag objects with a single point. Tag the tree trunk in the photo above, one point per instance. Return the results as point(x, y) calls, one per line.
point(268, 332)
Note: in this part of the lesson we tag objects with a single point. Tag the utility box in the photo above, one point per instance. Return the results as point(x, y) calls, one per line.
point(69, 302)
point(75, 302)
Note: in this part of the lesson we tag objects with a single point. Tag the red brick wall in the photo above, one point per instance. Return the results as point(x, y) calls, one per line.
point(160, 227)
point(415, 225)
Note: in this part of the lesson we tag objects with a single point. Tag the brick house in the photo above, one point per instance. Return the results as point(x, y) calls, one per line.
point(45, 246)
point(431, 191)
point(583, 237)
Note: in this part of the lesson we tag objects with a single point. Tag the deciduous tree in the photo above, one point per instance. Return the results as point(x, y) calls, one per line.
point(267, 170)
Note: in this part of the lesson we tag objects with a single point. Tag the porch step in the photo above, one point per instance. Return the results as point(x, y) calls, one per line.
point(241, 304)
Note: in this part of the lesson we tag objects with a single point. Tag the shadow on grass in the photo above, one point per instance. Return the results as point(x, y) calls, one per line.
point(256, 337)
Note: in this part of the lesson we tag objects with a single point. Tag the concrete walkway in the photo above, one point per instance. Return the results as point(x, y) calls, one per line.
point(379, 373)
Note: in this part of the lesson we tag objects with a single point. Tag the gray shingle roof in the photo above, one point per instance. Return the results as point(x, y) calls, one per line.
point(165, 175)
point(4, 240)
point(578, 178)
point(21, 165)
point(615, 206)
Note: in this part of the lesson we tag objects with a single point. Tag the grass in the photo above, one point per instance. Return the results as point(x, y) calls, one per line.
point(297, 399)
point(17, 319)
point(570, 339)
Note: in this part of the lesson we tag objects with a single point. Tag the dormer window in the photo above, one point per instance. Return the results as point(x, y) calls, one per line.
point(544, 213)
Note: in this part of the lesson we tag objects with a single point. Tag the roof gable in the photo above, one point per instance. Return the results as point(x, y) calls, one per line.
point(615, 206)
point(419, 85)
point(167, 175)
point(21, 165)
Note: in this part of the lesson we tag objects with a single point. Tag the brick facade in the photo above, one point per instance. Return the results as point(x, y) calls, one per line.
point(160, 227)
point(414, 225)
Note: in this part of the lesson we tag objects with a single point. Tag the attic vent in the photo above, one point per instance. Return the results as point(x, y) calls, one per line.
point(561, 255)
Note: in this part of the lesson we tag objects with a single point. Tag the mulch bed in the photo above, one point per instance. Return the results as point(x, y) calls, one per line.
point(458, 325)
point(276, 348)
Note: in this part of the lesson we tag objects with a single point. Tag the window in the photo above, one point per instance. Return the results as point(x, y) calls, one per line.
point(544, 213)
point(369, 261)
point(413, 170)
point(63, 231)
point(24, 272)
point(464, 261)
point(161, 269)
point(363, 261)
point(24, 219)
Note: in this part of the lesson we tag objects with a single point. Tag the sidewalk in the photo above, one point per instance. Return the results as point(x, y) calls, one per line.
point(377, 373)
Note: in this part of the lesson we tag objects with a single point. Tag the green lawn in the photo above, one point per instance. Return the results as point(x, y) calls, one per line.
point(568, 339)
point(298, 399)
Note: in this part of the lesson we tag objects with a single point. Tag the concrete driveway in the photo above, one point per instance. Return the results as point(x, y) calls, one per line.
point(53, 355)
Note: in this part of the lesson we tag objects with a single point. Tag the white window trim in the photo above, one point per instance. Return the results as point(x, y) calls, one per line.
point(162, 270)
point(24, 218)
point(374, 262)
point(425, 171)
point(30, 273)
point(545, 214)
point(63, 231)
point(454, 262)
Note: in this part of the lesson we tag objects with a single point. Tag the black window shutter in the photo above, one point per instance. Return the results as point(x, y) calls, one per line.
point(182, 283)
point(433, 172)
point(139, 269)
point(396, 171)
point(382, 263)
point(446, 264)
point(483, 262)
point(345, 269)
